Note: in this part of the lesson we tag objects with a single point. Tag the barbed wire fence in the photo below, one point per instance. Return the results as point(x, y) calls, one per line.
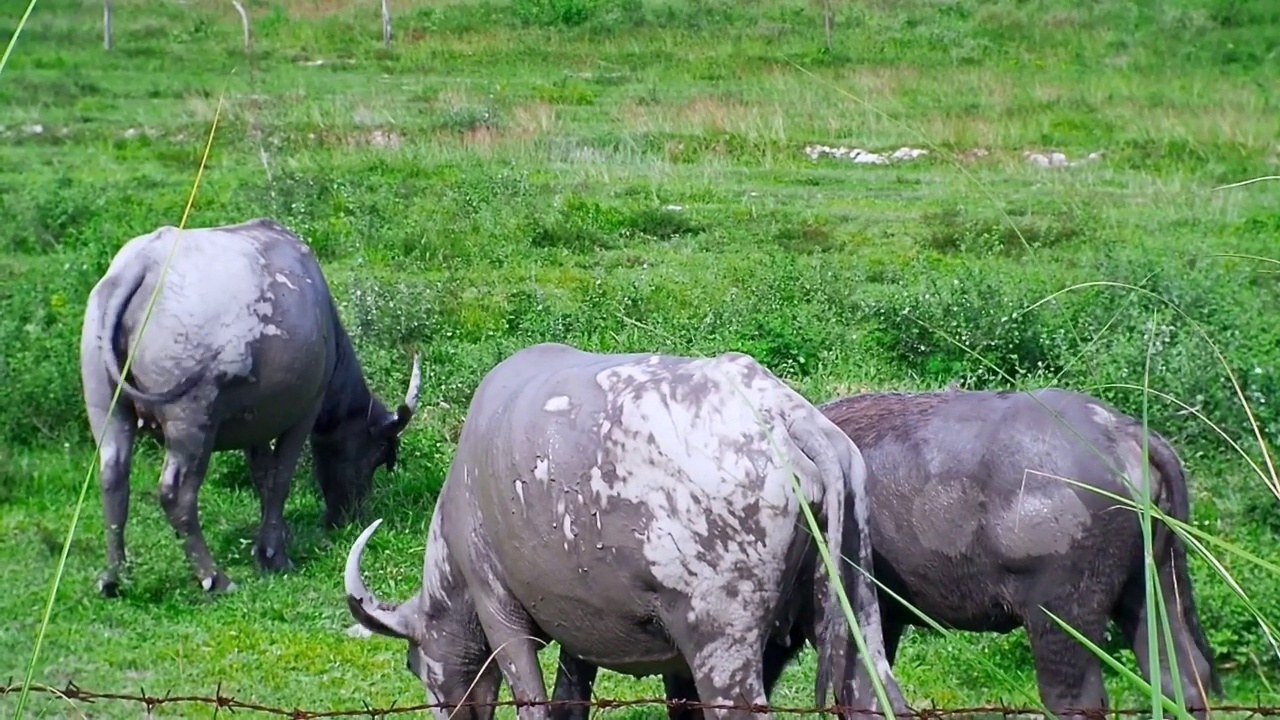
point(220, 701)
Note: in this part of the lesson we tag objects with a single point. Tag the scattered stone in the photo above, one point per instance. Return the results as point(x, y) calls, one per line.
point(907, 153)
point(867, 157)
point(384, 138)
point(860, 156)
point(1057, 159)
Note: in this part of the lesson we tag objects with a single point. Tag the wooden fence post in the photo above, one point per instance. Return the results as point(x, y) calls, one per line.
point(828, 20)
point(386, 23)
point(244, 22)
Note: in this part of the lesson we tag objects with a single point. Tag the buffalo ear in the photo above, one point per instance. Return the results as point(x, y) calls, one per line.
point(403, 415)
point(394, 423)
point(388, 622)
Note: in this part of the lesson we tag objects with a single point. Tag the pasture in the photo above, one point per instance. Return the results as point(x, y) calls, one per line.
point(633, 176)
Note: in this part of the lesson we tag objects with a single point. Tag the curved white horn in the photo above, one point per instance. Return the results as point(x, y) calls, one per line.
point(354, 581)
point(381, 617)
point(415, 385)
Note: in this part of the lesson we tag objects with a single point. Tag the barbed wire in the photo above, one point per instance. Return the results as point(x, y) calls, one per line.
point(221, 701)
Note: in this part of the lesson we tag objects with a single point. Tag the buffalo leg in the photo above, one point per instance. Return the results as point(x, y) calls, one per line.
point(185, 461)
point(574, 679)
point(777, 656)
point(892, 629)
point(681, 688)
point(269, 547)
point(1193, 667)
point(1069, 675)
point(469, 688)
point(724, 657)
point(892, 634)
point(273, 474)
point(509, 630)
point(116, 433)
point(261, 464)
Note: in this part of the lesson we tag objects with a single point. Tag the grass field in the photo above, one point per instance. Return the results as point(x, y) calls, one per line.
point(633, 176)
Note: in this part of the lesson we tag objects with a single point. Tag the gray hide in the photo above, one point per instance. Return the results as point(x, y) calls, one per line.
point(243, 347)
point(632, 508)
point(971, 525)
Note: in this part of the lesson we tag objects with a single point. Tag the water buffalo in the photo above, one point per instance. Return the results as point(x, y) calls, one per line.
point(972, 524)
point(637, 509)
point(242, 348)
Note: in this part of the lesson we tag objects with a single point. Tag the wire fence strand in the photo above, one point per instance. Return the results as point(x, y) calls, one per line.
point(221, 701)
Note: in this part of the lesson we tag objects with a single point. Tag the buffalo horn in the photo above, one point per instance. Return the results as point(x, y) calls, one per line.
point(376, 615)
point(415, 385)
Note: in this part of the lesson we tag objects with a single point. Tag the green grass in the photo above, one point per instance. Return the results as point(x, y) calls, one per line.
point(506, 174)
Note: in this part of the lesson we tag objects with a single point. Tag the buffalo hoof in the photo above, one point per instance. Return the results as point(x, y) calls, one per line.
point(329, 521)
point(218, 583)
point(335, 518)
point(272, 558)
point(109, 584)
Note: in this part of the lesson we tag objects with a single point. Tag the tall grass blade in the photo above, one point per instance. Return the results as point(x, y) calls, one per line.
point(13, 39)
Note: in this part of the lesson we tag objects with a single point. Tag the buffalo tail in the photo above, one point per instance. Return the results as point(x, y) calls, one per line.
point(1170, 468)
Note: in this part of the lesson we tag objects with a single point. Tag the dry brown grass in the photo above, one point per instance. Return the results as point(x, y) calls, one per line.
point(882, 83)
point(527, 123)
point(320, 8)
point(481, 138)
point(536, 118)
point(841, 390)
point(383, 138)
point(455, 97)
point(524, 123)
point(702, 114)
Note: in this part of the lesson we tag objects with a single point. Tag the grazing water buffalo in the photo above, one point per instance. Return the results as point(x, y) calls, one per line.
point(637, 509)
point(243, 347)
point(972, 524)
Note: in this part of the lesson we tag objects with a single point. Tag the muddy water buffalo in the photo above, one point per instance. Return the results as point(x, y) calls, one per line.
point(243, 347)
point(972, 525)
point(634, 508)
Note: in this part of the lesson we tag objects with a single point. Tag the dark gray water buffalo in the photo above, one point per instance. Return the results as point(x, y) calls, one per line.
point(972, 525)
point(635, 509)
point(243, 347)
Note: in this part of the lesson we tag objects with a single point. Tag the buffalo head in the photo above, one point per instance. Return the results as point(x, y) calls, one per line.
point(346, 457)
point(441, 632)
